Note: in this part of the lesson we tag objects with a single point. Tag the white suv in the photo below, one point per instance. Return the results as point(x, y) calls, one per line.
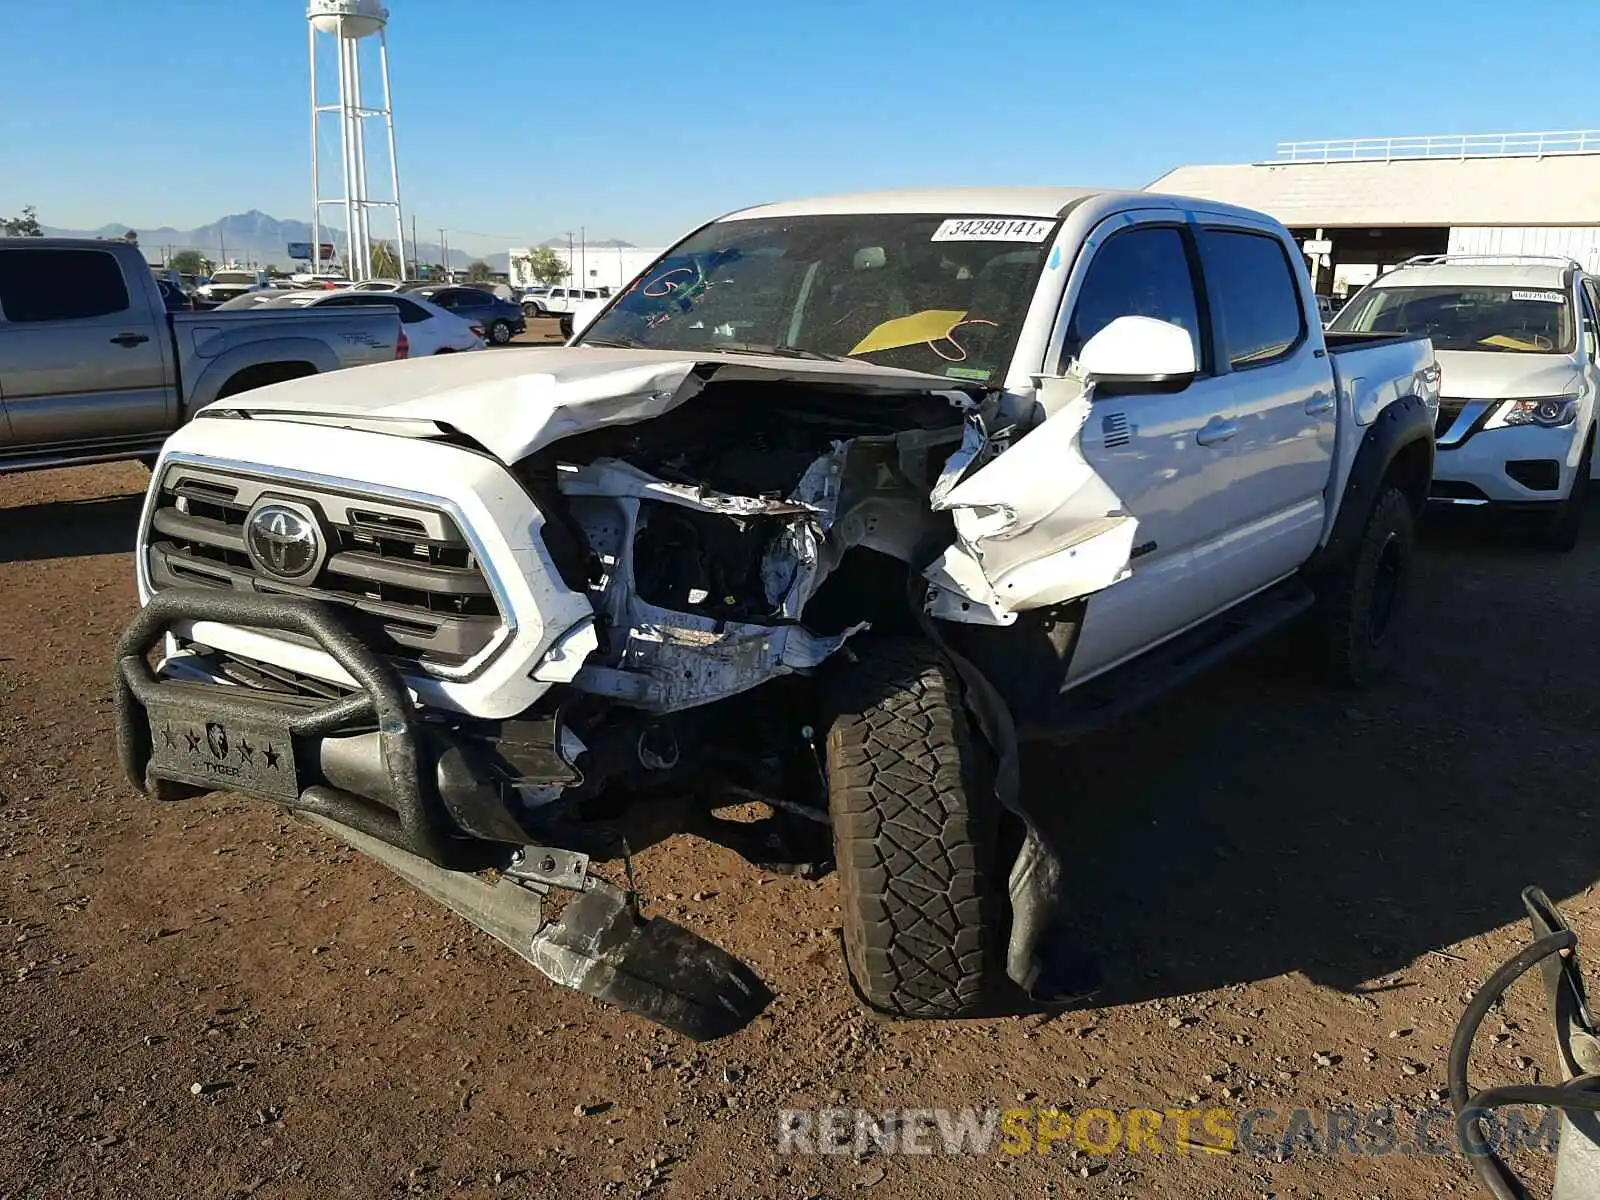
point(1516, 338)
point(545, 302)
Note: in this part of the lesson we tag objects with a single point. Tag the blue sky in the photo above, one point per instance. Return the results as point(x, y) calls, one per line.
point(517, 119)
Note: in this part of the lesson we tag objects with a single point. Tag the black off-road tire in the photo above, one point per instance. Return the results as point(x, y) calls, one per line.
point(1364, 603)
point(1561, 535)
point(566, 326)
point(914, 825)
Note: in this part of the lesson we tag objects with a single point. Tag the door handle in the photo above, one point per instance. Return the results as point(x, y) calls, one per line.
point(1319, 404)
point(130, 339)
point(1216, 431)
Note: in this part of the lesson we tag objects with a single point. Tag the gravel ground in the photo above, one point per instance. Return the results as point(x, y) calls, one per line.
point(1294, 893)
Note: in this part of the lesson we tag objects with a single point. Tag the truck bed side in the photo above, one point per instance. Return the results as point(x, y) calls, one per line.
point(219, 353)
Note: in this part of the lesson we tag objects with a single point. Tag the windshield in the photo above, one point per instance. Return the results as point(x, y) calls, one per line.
point(945, 295)
point(233, 277)
point(1513, 320)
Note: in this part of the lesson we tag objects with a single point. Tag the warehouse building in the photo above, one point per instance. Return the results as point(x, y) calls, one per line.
point(589, 266)
point(1362, 205)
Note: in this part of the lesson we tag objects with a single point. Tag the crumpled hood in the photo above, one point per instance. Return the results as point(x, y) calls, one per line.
point(1504, 375)
point(513, 402)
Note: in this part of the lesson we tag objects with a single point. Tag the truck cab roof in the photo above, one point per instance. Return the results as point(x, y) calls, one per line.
point(1043, 202)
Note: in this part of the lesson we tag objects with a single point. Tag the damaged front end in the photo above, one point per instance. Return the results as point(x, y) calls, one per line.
point(729, 526)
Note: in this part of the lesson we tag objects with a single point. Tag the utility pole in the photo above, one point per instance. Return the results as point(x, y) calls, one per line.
point(569, 258)
point(583, 256)
point(444, 254)
point(416, 254)
point(222, 252)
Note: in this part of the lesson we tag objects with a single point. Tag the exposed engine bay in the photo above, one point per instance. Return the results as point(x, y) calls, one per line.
point(704, 535)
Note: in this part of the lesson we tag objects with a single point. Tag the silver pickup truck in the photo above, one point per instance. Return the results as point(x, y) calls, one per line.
point(93, 368)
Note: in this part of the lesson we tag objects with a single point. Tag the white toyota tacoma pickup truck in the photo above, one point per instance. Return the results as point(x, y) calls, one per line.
point(833, 507)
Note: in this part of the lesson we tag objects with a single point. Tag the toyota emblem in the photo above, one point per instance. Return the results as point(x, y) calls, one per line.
point(283, 541)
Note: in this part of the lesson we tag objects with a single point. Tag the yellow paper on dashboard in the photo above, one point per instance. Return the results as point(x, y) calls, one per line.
point(927, 326)
point(1505, 341)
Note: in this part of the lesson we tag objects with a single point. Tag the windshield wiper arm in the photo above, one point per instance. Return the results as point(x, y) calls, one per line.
point(777, 351)
point(613, 343)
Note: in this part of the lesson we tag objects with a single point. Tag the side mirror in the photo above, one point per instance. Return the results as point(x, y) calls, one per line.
point(1140, 354)
point(583, 314)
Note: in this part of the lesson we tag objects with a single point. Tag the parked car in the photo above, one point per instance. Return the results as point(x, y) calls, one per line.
point(225, 285)
point(501, 319)
point(1516, 337)
point(780, 537)
point(557, 300)
point(95, 365)
point(430, 329)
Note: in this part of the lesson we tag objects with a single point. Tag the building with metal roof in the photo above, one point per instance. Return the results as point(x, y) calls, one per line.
point(1373, 202)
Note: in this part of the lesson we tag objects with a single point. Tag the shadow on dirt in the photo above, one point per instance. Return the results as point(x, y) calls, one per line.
point(69, 528)
point(1258, 823)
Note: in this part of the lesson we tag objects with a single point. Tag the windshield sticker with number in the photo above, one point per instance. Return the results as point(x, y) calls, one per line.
point(991, 229)
point(1541, 297)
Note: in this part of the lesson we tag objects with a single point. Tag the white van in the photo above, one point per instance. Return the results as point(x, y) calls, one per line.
point(1516, 339)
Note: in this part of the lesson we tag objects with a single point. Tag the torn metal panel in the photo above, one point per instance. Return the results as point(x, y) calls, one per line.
point(958, 591)
point(1036, 520)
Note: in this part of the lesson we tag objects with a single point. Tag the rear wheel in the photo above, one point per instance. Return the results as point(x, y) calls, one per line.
point(1561, 535)
point(566, 325)
point(1364, 603)
point(500, 332)
point(914, 824)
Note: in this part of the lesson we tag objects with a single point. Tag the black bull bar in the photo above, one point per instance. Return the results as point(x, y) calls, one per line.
point(601, 945)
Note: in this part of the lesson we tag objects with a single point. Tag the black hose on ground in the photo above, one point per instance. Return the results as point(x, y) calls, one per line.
point(1469, 1107)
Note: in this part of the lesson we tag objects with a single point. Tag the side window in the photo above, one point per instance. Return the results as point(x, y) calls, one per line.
point(1139, 272)
point(60, 285)
point(411, 313)
point(1254, 295)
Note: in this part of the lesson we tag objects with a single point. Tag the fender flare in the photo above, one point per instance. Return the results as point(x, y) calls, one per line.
point(1401, 424)
point(256, 354)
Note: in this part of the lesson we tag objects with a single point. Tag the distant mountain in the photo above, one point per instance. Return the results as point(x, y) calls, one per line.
point(256, 237)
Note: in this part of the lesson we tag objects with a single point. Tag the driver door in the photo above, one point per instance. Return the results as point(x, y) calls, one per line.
point(1169, 457)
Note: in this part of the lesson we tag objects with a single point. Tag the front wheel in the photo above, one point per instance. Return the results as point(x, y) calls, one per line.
point(1364, 603)
point(914, 825)
point(500, 333)
point(1561, 535)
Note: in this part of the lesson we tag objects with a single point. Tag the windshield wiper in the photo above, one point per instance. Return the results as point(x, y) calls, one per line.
point(777, 351)
point(614, 343)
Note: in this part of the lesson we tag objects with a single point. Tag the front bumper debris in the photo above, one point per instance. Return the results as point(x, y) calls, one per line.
point(178, 738)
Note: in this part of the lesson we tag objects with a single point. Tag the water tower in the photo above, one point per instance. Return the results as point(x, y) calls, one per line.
point(343, 28)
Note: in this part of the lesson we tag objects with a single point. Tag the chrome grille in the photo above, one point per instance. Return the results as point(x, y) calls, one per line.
point(408, 572)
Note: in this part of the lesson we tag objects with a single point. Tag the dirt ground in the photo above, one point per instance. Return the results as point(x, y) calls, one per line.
point(1293, 891)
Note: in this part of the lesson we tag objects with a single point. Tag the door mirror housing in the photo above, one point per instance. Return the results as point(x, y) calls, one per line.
point(1139, 354)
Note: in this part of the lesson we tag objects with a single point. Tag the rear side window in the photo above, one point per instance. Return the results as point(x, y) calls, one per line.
point(1140, 272)
point(1254, 296)
point(60, 285)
